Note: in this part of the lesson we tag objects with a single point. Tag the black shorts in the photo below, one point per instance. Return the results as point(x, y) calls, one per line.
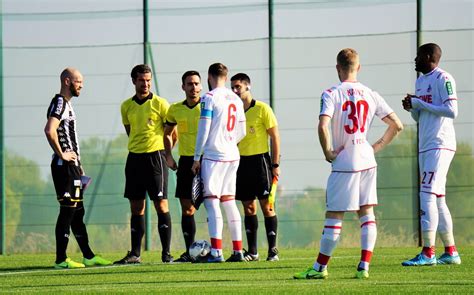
point(67, 182)
point(185, 177)
point(146, 172)
point(254, 177)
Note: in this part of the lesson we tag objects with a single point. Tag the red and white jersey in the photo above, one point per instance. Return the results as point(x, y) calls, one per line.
point(225, 110)
point(435, 132)
point(352, 107)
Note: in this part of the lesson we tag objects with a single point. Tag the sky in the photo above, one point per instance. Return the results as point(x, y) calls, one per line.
point(104, 40)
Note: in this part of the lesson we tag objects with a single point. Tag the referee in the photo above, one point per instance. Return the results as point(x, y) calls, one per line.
point(143, 116)
point(184, 116)
point(257, 168)
point(66, 170)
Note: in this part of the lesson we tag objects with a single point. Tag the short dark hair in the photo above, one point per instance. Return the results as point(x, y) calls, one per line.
point(218, 70)
point(139, 69)
point(189, 73)
point(241, 77)
point(433, 50)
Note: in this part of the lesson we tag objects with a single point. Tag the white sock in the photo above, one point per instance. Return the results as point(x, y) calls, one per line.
point(368, 236)
point(234, 221)
point(215, 222)
point(445, 226)
point(429, 218)
point(329, 239)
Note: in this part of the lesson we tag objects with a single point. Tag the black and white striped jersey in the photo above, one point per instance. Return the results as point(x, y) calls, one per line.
point(67, 132)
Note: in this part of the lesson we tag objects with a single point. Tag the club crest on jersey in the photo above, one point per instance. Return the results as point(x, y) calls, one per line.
point(449, 87)
point(429, 89)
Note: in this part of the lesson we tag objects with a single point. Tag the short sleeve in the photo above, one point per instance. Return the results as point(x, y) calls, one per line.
point(123, 111)
point(269, 118)
point(170, 116)
point(382, 109)
point(326, 105)
point(57, 107)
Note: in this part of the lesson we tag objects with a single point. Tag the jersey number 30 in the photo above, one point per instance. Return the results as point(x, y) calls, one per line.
point(231, 117)
point(357, 113)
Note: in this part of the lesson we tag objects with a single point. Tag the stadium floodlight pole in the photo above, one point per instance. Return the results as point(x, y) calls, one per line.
point(417, 197)
point(3, 226)
point(145, 61)
point(270, 54)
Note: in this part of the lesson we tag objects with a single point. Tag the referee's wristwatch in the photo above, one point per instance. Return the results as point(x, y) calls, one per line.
point(275, 165)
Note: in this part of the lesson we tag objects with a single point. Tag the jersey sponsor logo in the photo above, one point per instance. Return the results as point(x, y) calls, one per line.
point(426, 98)
point(449, 87)
point(59, 106)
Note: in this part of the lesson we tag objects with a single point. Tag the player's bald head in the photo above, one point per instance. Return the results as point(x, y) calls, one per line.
point(69, 73)
point(432, 50)
point(348, 60)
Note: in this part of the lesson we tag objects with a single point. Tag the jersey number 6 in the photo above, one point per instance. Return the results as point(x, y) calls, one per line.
point(357, 114)
point(231, 117)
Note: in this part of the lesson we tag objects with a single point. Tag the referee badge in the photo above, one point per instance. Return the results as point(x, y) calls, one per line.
point(252, 129)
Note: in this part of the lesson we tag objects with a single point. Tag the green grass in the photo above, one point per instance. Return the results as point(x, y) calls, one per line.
point(34, 274)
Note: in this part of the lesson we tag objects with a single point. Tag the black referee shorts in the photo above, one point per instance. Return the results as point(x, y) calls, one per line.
point(67, 182)
point(254, 177)
point(146, 173)
point(184, 181)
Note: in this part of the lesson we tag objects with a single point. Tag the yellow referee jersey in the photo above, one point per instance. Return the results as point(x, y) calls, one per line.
point(187, 119)
point(260, 117)
point(146, 119)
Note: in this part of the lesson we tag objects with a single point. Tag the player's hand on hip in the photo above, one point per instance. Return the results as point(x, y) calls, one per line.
point(406, 102)
point(196, 167)
point(69, 156)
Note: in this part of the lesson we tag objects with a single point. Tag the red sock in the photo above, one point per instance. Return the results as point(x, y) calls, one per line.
point(237, 246)
point(216, 243)
point(323, 259)
point(450, 250)
point(428, 251)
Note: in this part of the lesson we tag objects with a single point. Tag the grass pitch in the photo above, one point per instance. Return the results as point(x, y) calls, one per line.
point(35, 274)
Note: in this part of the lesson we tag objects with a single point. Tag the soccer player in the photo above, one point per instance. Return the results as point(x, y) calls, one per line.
point(221, 127)
point(434, 106)
point(143, 116)
point(66, 169)
point(184, 117)
point(257, 168)
point(347, 111)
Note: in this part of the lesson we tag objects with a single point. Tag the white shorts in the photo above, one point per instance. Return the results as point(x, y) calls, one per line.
point(434, 165)
point(219, 178)
point(349, 191)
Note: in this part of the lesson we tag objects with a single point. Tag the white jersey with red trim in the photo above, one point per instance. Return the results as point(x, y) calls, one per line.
point(435, 131)
point(225, 111)
point(352, 106)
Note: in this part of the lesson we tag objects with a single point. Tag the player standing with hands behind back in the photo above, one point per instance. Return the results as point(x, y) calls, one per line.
point(349, 109)
point(143, 116)
point(221, 127)
point(257, 168)
point(434, 106)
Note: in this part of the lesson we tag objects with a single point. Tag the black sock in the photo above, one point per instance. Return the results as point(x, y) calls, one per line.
point(271, 226)
point(251, 228)
point(188, 226)
point(164, 229)
point(137, 230)
point(80, 232)
point(62, 232)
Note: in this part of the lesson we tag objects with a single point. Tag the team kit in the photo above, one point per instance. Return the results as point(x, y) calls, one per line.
point(229, 151)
